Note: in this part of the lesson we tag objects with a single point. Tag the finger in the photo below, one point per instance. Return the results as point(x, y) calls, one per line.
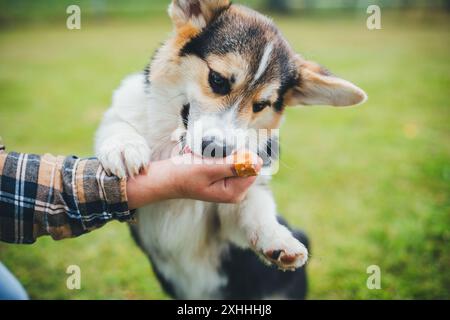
point(231, 190)
point(219, 169)
point(239, 185)
point(226, 169)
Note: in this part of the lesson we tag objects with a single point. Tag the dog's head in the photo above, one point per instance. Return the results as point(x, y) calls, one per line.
point(239, 73)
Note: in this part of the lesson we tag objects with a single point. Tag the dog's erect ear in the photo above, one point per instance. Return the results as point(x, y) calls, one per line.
point(317, 86)
point(195, 13)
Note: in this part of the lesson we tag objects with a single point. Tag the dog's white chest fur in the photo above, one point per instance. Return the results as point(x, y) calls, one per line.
point(181, 238)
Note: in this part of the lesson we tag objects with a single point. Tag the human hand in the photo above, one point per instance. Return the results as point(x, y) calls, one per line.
point(214, 180)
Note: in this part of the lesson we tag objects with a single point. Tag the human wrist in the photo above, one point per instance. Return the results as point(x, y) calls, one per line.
point(158, 183)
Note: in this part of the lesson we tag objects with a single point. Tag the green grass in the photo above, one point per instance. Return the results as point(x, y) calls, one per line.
point(369, 184)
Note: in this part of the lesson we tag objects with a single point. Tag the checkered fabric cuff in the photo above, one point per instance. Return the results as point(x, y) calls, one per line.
point(63, 197)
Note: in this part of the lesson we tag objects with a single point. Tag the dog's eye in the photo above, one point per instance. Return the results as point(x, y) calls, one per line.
point(258, 107)
point(219, 84)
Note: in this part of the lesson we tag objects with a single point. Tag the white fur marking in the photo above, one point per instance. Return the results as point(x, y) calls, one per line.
point(264, 62)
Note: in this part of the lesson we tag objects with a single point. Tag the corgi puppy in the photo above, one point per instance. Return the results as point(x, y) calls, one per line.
point(226, 68)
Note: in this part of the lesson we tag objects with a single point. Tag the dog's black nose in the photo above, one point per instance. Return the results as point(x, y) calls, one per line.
point(211, 148)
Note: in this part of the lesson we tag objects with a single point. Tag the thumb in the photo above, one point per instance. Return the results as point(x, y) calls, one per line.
point(225, 168)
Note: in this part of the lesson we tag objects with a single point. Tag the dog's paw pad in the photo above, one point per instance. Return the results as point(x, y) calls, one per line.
point(280, 248)
point(274, 255)
point(286, 261)
point(289, 260)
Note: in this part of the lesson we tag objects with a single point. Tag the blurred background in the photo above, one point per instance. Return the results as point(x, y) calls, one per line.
point(371, 185)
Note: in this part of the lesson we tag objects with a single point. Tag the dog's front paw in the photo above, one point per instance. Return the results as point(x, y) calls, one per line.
point(124, 156)
point(278, 246)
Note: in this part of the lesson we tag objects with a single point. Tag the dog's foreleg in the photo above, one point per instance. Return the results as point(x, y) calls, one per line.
point(120, 144)
point(120, 148)
point(253, 224)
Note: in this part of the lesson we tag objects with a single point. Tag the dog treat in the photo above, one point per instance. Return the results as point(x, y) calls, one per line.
point(245, 164)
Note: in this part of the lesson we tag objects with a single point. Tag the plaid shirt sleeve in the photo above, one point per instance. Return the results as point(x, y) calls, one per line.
point(57, 196)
